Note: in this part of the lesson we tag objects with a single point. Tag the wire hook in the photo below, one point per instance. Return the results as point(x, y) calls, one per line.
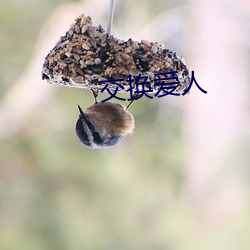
point(110, 16)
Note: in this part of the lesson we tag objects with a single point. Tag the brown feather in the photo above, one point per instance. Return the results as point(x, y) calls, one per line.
point(111, 117)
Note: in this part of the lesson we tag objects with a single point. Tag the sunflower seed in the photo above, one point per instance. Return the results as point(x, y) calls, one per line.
point(154, 49)
point(88, 62)
point(69, 60)
point(85, 46)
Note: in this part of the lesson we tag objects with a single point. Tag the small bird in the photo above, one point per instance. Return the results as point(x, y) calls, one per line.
point(103, 125)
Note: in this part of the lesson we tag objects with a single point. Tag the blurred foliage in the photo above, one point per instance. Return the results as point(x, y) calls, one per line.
point(20, 24)
point(57, 194)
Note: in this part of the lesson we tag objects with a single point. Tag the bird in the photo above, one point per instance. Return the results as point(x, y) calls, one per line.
point(104, 124)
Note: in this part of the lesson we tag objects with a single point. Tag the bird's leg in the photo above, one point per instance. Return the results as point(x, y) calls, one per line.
point(95, 94)
point(133, 98)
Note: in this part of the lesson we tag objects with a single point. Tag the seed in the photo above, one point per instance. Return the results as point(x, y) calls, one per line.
point(88, 76)
point(84, 28)
point(61, 62)
point(150, 74)
point(70, 32)
point(154, 49)
point(119, 59)
point(77, 79)
point(68, 54)
point(88, 62)
point(78, 51)
point(98, 61)
point(134, 72)
point(83, 21)
point(93, 42)
point(103, 37)
point(120, 42)
point(102, 79)
point(152, 69)
point(69, 60)
point(78, 70)
point(77, 29)
point(95, 76)
point(128, 50)
point(125, 56)
point(64, 43)
point(134, 45)
point(145, 42)
point(77, 57)
point(89, 72)
point(85, 46)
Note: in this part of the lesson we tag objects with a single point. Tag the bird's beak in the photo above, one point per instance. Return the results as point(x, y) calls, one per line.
point(82, 115)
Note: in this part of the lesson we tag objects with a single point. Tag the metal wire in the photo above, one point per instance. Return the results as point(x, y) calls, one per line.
point(110, 15)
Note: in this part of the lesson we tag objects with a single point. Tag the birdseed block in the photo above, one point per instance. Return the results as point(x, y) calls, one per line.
point(87, 57)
